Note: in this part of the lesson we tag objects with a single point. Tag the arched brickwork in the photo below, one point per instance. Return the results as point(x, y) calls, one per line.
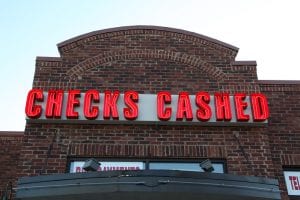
point(179, 34)
point(191, 60)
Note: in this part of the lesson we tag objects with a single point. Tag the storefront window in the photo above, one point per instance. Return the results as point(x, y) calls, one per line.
point(76, 166)
point(218, 167)
point(107, 165)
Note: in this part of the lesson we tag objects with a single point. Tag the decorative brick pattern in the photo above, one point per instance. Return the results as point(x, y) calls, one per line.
point(195, 38)
point(190, 60)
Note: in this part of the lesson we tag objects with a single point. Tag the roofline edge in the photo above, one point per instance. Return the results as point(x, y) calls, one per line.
point(161, 28)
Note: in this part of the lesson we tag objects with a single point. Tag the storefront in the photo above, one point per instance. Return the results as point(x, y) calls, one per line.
point(151, 104)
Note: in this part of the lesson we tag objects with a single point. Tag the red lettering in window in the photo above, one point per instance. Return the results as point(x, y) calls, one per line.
point(294, 182)
point(78, 169)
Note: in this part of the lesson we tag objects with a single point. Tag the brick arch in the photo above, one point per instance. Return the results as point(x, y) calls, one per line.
point(179, 34)
point(190, 60)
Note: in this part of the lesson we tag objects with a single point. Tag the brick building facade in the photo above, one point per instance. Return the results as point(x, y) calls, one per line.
point(10, 147)
point(150, 59)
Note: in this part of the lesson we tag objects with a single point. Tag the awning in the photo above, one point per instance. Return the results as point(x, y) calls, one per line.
point(146, 185)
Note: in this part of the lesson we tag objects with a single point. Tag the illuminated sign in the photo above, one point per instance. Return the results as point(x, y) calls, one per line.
point(73, 106)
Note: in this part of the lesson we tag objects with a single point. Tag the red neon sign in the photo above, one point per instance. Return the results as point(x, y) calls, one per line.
point(91, 112)
point(54, 103)
point(240, 106)
point(72, 103)
point(260, 107)
point(204, 111)
point(110, 104)
point(163, 113)
point(223, 109)
point(131, 98)
point(34, 111)
point(132, 106)
point(184, 108)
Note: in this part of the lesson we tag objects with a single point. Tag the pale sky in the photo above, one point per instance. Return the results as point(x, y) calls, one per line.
point(264, 30)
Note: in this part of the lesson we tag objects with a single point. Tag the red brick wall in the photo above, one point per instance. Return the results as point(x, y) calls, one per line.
point(141, 141)
point(284, 125)
point(10, 146)
point(150, 59)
